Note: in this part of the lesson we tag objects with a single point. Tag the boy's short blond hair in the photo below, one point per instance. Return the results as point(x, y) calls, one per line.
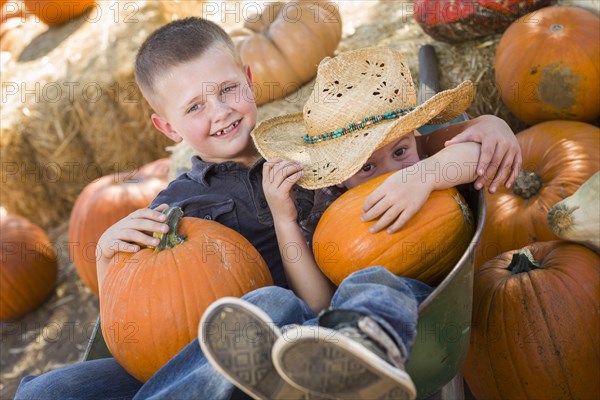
point(175, 43)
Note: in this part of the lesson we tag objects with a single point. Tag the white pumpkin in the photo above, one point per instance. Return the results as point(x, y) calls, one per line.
point(577, 217)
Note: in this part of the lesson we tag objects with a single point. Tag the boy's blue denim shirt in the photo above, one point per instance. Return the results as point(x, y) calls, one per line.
point(233, 195)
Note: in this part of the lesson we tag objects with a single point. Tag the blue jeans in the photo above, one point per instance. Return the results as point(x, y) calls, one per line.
point(390, 300)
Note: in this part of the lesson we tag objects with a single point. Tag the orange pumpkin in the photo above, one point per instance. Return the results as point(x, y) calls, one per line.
point(426, 248)
point(548, 65)
point(558, 157)
point(285, 44)
point(57, 12)
point(104, 202)
point(536, 326)
point(151, 301)
point(28, 268)
point(11, 9)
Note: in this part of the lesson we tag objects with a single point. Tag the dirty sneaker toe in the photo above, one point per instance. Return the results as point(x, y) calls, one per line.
point(329, 363)
point(237, 338)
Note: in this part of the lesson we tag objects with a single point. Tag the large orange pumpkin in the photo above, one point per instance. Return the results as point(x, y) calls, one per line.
point(548, 65)
point(285, 44)
point(151, 301)
point(57, 12)
point(28, 268)
point(426, 248)
point(536, 324)
point(558, 157)
point(104, 202)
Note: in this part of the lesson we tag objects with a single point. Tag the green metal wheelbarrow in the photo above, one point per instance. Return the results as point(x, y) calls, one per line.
point(444, 324)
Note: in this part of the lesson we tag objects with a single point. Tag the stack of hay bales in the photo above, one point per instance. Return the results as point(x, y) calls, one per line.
point(72, 112)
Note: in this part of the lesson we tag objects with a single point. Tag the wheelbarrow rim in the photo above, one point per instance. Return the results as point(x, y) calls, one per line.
point(462, 262)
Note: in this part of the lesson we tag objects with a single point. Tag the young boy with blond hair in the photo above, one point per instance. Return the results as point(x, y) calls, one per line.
point(202, 93)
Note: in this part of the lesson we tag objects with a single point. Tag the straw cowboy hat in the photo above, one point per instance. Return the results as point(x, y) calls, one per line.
point(361, 101)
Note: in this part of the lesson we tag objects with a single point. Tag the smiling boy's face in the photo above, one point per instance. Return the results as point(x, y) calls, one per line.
point(399, 154)
point(208, 102)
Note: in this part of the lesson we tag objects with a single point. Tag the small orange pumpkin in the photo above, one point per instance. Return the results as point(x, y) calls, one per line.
point(536, 324)
point(28, 268)
point(548, 65)
point(286, 43)
point(57, 12)
point(151, 301)
point(426, 248)
point(558, 157)
point(12, 9)
point(104, 202)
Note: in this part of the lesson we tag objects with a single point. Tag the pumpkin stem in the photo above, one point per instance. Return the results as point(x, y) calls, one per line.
point(171, 238)
point(556, 28)
point(464, 208)
point(522, 261)
point(527, 184)
point(560, 219)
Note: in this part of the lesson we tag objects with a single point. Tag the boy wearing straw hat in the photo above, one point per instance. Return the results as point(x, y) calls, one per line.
point(358, 124)
point(200, 91)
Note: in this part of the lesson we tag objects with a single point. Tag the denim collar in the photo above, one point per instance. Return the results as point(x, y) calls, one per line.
point(201, 169)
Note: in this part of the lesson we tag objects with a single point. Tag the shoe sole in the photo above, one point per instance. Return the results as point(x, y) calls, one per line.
point(237, 338)
point(327, 363)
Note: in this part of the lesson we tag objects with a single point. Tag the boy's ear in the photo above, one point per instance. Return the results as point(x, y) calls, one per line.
point(165, 127)
point(340, 185)
point(248, 74)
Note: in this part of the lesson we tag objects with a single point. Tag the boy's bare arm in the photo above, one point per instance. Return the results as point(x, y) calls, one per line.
point(128, 235)
point(301, 270)
point(401, 195)
point(500, 158)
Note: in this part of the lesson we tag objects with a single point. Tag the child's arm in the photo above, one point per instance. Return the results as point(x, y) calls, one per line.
point(123, 236)
point(401, 195)
point(302, 272)
point(500, 156)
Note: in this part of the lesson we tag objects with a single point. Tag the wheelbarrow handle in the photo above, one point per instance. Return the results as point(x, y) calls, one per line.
point(429, 73)
point(429, 84)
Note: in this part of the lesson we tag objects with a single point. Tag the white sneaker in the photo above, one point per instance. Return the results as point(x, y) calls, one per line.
point(237, 338)
point(337, 363)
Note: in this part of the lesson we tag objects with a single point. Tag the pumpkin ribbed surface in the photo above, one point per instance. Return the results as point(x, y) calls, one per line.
point(536, 327)
point(426, 248)
point(28, 268)
point(286, 43)
point(558, 157)
point(102, 203)
point(151, 301)
point(57, 12)
point(548, 65)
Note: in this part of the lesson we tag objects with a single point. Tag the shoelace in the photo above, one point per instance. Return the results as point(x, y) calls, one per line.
point(370, 335)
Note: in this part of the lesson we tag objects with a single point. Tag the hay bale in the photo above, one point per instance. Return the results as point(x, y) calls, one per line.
point(72, 111)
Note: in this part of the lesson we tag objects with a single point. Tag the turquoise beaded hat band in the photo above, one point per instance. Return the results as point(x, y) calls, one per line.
point(361, 100)
point(367, 121)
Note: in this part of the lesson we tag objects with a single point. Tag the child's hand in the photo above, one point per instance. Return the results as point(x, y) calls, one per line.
point(132, 231)
point(500, 152)
point(395, 201)
point(128, 235)
point(279, 177)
